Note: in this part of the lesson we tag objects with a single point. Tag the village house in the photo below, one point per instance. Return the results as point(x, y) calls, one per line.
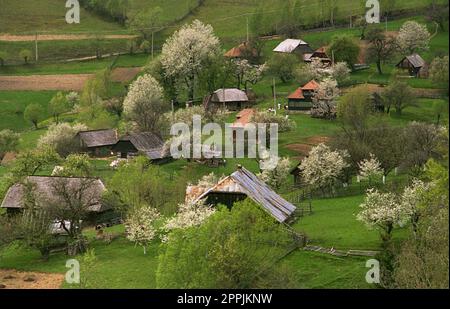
point(301, 99)
point(293, 46)
point(98, 142)
point(144, 143)
point(231, 99)
point(319, 55)
point(44, 192)
point(415, 65)
point(241, 51)
point(238, 186)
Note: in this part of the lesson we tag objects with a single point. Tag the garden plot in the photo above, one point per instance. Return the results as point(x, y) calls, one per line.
point(13, 279)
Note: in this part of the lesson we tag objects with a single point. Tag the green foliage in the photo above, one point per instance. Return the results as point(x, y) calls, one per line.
point(34, 113)
point(3, 56)
point(282, 66)
point(232, 249)
point(9, 141)
point(345, 49)
point(398, 95)
point(58, 105)
point(29, 162)
point(26, 55)
point(76, 165)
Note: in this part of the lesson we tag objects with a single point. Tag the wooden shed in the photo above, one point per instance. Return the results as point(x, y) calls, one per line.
point(294, 46)
point(319, 54)
point(415, 65)
point(244, 184)
point(244, 50)
point(231, 99)
point(44, 191)
point(98, 142)
point(143, 143)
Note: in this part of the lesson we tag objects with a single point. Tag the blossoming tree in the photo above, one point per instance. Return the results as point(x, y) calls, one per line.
point(140, 226)
point(370, 168)
point(188, 51)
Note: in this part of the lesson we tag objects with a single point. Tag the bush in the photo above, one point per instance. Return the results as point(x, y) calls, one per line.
point(283, 66)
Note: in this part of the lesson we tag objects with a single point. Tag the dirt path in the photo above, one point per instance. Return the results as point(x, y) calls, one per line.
point(63, 82)
point(61, 37)
point(304, 149)
point(13, 279)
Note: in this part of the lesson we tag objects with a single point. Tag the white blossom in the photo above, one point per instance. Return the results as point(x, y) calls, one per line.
point(140, 226)
point(413, 37)
point(276, 177)
point(321, 168)
point(324, 100)
point(413, 196)
point(381, 210)
point(369, 168)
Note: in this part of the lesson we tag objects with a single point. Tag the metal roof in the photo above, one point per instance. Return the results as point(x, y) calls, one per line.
point(244, 181)
point(289, 45)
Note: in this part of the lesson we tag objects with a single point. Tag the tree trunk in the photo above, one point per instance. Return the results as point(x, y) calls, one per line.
point(379, 67)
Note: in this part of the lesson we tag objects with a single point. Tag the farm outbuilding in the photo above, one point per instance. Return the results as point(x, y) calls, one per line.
point(231, 99)
point(98, 142)
point(320, 55)
point(144, 143)
point(415, 65)
point(241, 51)
point(301, 98)
point(45, 192)
point(240, 185)
point(294, 46)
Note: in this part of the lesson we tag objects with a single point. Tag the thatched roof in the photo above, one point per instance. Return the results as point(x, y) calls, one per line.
point(229, 95)
point(289, 45)
point(98, 138)
point(245, 182)
point(44, 190)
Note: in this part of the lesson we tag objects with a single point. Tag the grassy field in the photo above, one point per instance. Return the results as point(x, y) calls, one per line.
point(29, 16)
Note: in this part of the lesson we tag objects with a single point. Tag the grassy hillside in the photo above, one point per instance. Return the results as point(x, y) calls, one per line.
point(29, 16)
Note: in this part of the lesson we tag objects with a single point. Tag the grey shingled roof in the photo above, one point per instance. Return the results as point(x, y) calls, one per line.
point(289, 45)
point(229, 95)
point(244, 181)
point(148, 143)
point(44, 191)
point(98, 138)
point(415, 60)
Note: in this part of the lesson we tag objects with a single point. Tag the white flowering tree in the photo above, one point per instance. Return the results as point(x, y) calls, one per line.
point(188, 51)
point(324, 100)
point(140, 227)
point(413, 200)
point(61, 138)
point(144, 104)
point(246, 73)
point(189, 214)
point(276, 177)
point(323, 166)
point(340, 72)
point(413, 37)
point(382, 211)
point(370, 168)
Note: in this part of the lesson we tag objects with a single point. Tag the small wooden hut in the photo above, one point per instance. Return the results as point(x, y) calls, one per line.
point(144, 143)
point(415, 65)
point(231, 99)
point(98, 142)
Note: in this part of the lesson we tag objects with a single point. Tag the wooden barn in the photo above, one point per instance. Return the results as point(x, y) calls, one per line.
point(301, 98)
point(293, 46)
point(240, 185)
point(319, 54)
point(231, 99)
point(45, 194)
point(144, 143)
point(243, 51)
point(415, 65)
point(98, 142)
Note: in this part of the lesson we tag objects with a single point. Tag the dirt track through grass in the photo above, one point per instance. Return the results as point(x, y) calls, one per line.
point(64, 82)
point(62, 37)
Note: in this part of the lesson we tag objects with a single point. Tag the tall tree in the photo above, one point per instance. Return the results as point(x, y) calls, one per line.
point(381, 47)
point(186, 53)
